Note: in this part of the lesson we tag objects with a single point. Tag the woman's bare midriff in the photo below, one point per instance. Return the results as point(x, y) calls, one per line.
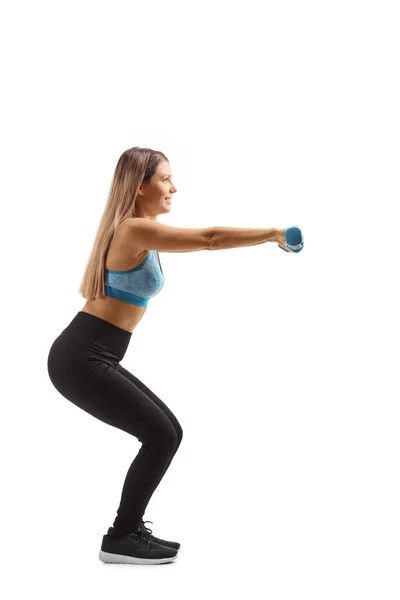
point(110, 309)
point(119, 313)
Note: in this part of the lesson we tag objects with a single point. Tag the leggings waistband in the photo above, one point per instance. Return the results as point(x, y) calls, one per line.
point(87, 326)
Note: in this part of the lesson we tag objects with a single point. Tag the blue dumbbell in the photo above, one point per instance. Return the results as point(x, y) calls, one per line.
point(294, 240)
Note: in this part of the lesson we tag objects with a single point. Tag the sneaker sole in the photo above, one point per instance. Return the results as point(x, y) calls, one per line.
point(108, 557)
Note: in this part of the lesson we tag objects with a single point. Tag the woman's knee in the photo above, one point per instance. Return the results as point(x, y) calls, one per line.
point(164, 437)
point(179, 434)
point(177, 427)
point(164, 433)
point(172, 432)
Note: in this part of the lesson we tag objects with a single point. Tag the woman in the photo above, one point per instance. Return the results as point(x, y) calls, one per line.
point(122, 274)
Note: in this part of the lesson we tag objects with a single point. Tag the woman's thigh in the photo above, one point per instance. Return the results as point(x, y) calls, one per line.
point(112, 398)
point(141, 386)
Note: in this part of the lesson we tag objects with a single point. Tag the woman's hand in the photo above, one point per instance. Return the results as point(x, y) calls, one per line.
point(281, 238)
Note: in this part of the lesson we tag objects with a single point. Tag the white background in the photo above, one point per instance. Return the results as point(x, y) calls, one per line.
point(282, 369)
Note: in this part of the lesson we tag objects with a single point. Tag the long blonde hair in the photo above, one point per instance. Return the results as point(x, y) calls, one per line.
point(135, 166)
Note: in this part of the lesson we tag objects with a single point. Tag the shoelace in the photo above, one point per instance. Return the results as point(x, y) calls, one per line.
point(143, 533)
point(147, 531)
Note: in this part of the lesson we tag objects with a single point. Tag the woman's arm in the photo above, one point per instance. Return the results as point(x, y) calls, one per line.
point(235, 237)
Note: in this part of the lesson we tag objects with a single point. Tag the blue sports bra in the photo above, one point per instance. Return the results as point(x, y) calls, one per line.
point(136, 285)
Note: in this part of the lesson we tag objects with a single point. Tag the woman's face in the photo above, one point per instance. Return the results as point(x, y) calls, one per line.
point(155, 197)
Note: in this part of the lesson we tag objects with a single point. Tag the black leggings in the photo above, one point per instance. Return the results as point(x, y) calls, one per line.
point(84, 366)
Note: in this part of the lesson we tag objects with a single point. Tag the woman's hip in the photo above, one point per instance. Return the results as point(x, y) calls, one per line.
point(87, 345)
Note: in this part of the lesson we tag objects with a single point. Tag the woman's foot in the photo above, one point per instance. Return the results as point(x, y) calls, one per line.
point(134, 548)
